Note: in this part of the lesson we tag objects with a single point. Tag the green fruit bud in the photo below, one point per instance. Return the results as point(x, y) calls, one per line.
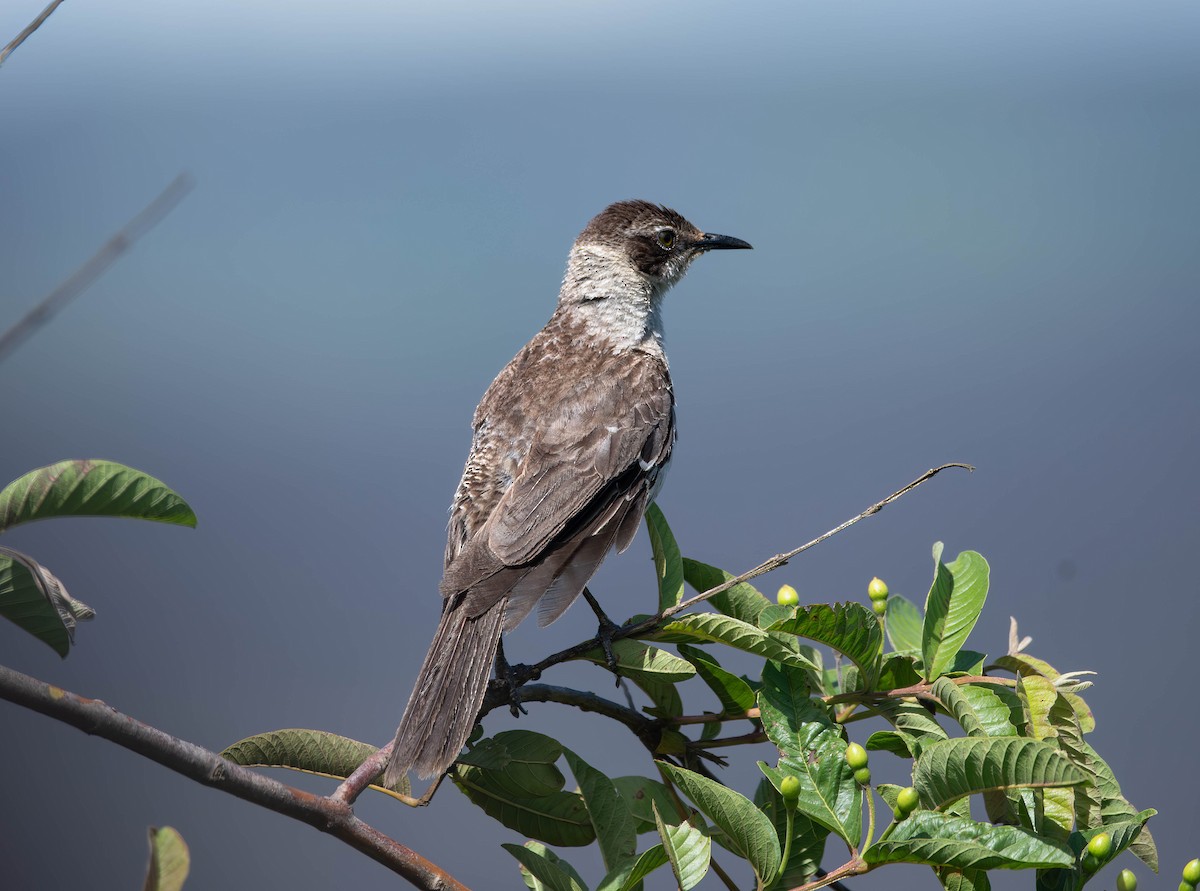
point(1100, 846)
point(856, 755)
point(1191, 872)
point(787, 596)
point(862, 776)
point(1090, 863)
point(1126, 881)
point(907, 800)
point(1185, 885)
point(880, 607)
point(789, 788)
point(877, 589)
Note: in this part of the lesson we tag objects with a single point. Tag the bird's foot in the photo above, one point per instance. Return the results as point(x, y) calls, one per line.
point(513, 677)
point(605, 634)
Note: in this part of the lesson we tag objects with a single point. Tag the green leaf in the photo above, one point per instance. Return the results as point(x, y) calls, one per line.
point(519, 762)
point(547, 873)
point(308, 751)
point(978, 710)
point(963, 879)
point(688, 849)
point(169, 860)
point(897, 670)
point(743, 601)
point(635, 659)
point(735, 694)
point(1024, 665)
point(560, 818)
point(950, 769)
point(808, 838)
point(614, 824)
point(1116, 808)
point(747, 830)
point(90, 489)
point(919, 726)
point(666, 699)
point(732, 632)
point(955, 600)
point(904, 623)
point(850, 628)
point(33, 598)
point(630, 878)
point(1088, 801)
point(961, 843)
point(668, 564)
point(640, 794)
point(895, 741)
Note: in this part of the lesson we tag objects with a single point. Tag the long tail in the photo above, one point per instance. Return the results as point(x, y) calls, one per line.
point(449, 691)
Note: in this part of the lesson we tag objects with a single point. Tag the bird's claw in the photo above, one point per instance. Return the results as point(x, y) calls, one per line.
point(605, 634)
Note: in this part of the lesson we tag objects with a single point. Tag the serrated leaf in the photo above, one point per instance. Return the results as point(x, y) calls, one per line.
point(611, 819)
point(747, 830)
point(308, 751)
point(557, 819)
point(955, 600)
point(850, 628)
point(715, 628)
point(688, 850)
point(635, 659)
point(904, 623)
point(961, 843)
point(88, 488)
point(33, 599)
point(743, 601)
point(734, 693)
point(639, 795)
point(668, 563)
point(548, 874)
point(950, 769)
point(169, 860)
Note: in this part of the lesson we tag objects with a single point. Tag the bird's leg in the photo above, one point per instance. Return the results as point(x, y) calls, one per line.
point(512, 677)
point(607, 630)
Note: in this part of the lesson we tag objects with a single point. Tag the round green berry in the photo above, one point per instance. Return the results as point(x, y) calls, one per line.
point(877, 589)
point(787, 596)
point(880, 607)
point(1126, 881)
point(1090, 863)
point(789, 788)
point(1100, 846)
point(862, 776)
point(1185, 885)
point(907, 800)
point(1191, 871)
point(856, 756)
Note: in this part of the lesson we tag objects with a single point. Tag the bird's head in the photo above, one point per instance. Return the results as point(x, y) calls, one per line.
point(653, 242)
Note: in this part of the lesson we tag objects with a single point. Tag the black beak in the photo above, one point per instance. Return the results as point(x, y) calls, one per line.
point(711, 242)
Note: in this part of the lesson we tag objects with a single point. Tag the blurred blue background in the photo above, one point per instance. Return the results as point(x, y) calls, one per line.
point(975, 233)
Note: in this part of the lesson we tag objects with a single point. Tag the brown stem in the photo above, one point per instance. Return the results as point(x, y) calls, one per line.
point(855, 867)
point(29, 29)
point(919, 690)
point(749, 714)
point(94, 717)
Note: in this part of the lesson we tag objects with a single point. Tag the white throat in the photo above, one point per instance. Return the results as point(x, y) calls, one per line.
point(615, 302)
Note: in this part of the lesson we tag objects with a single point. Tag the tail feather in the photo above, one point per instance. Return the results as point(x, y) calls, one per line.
point(448, 693)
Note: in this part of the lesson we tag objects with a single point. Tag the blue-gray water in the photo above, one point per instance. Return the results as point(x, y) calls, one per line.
point(975, 234)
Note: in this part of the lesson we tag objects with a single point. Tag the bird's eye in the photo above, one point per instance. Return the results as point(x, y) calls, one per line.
point(666, 239)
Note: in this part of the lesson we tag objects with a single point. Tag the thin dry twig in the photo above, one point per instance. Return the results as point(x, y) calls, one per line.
point(29, 29)
point(83, 278)
point(98, 719)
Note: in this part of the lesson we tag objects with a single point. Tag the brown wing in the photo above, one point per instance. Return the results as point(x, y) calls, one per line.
point(580, 489)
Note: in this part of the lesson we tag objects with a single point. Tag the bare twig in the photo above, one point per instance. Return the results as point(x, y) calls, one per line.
point(29, 29)
point(522, 673)
point(95, 267)
point(94, 717)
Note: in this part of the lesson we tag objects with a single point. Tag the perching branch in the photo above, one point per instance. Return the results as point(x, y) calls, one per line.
point(94, 717)
point(520, 674)
point(83, 278)
point(29, 29)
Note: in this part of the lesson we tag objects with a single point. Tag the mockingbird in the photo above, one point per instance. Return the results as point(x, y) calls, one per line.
point(571, 442)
